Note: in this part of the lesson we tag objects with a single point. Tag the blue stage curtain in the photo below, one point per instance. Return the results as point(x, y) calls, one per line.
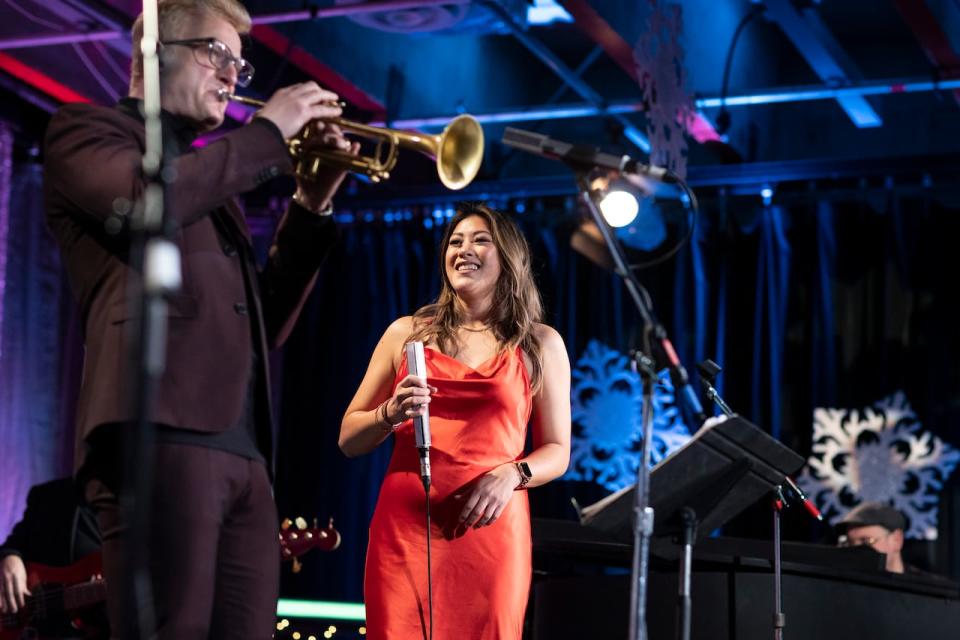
point(760, 289)
point(39, 344)
point(823, 335)
point(827, 300)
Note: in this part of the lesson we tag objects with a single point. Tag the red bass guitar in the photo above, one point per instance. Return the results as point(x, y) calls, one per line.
point(62, 601)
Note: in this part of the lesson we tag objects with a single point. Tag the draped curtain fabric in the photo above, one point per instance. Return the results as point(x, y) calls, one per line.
point(760, 289)
point(828, 300)
point(39, 344)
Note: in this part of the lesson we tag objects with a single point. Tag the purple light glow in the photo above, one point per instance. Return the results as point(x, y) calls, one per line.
point(6, 166)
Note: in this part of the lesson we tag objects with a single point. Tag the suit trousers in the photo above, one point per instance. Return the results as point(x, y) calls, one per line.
point(213, 551)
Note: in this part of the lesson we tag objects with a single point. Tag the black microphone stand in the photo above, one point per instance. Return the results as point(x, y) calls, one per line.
point(642, 511)
point(157, 259)
point(708, 373)
point(779, 617)
point(653, 331)
point(583, 161)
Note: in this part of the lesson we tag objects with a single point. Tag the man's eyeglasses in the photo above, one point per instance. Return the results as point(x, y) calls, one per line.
point(846, 541)
point(219, 56)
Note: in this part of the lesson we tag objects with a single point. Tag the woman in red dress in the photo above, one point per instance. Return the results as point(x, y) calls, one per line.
point(491, 365)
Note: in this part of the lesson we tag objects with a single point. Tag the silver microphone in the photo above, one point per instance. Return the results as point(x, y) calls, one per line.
point(417, 366)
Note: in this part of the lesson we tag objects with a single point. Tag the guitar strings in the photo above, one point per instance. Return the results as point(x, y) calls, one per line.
point(46, 596)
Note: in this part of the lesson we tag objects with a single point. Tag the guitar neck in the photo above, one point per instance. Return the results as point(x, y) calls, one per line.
point(81, 596)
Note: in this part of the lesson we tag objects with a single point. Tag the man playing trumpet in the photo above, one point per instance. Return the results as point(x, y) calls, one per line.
point(213, 556)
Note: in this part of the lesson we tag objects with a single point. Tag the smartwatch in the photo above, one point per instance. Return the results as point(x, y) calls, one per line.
point(525, 474)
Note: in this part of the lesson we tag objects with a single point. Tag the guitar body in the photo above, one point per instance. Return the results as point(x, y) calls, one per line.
point(67, 601)
point(61, 604)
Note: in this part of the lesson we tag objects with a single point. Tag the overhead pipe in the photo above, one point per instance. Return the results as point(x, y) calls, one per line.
point(48, 40)
point(738, 179)
point(859, 89)
point(766, 96)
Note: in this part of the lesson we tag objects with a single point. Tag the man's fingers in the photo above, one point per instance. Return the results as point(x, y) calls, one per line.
point(9, 603)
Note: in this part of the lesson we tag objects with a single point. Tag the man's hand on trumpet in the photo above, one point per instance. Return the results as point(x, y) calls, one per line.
point(291, 108)
point(297, 106)
point(316, 193)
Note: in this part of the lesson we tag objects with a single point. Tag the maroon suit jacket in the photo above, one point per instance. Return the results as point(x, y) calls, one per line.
point(92, 175)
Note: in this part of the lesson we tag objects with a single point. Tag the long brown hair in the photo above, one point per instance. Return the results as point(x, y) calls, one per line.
point(516, 300)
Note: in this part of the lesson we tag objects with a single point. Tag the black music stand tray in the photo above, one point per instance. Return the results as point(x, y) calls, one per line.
point(725, 468)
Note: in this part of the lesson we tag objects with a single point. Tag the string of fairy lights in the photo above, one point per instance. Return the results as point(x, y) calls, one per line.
point(313, 619)
point(286, 629)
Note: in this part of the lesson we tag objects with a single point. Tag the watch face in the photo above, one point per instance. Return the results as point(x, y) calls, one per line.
point(525, 468)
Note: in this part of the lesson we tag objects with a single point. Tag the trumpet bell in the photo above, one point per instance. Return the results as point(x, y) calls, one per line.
point(460, 152)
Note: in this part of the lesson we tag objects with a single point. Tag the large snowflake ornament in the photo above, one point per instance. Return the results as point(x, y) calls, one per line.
point(880, 453)
point(606, 403)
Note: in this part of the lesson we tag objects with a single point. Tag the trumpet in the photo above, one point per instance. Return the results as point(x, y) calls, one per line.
point(457, 151)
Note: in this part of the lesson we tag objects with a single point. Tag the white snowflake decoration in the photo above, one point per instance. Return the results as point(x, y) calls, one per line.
point(880, 453)
point(606, 402)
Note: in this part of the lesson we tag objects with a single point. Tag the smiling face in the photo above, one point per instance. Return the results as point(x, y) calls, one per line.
point(190, 83)
point(472, 262)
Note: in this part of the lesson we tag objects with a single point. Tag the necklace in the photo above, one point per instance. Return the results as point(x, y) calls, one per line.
point(485, 328)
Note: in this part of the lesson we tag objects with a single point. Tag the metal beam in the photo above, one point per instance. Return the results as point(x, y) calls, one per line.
point(39, 80)
point(776, 95)
point(343, 10)
point(28, 94)
point(315, 13)
point(565, 73)
point(821, 51)
point(854, 90)
point(325, 75)
point(934, 40)
point(600, 31)
point(105, 16)
point(51, 39)
point(741, 178)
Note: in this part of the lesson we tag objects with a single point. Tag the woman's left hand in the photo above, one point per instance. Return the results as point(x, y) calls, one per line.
point(489, 496)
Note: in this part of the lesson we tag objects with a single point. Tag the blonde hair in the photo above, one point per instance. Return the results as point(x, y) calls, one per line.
point(516, 304)
point(175, 14)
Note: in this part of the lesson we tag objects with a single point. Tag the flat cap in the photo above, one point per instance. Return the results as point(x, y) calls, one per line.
point(872, 513)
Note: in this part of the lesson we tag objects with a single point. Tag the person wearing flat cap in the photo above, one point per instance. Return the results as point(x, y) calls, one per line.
point(878, 525)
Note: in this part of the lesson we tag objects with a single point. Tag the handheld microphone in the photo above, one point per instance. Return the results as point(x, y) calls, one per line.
point(417, 366)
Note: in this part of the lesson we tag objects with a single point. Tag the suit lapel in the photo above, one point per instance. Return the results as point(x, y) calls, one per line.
point(233, 214)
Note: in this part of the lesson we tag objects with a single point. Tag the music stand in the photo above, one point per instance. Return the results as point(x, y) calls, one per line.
point(726, 467)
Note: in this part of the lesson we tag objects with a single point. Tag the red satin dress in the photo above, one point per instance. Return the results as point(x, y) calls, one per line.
point(481, 577)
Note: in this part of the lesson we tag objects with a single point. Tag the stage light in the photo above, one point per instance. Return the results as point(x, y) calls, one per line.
point(543, 12)
point(619, 208)
point(321, 609)
point(767, 194)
